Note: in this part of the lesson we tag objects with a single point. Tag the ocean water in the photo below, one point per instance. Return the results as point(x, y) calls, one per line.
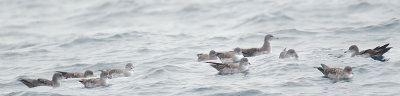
point(162, 37)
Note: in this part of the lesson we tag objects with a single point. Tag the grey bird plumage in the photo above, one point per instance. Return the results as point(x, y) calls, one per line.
point(336, 73)
point(128, 71)
point(96, 82)
point(288, 54)
point(265, 48)
point(376, 53)
point(212, 55)
point(55, 82)
point(229, 68)
point(231, 56)
point(86, 74)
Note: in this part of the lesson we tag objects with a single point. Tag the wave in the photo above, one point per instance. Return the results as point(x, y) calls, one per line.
point(218, 38)
point(295, 32)
point(202, 89)
point(132, 34)
point(382, 84)
point(12, 54)
point(361, 7)
point(28, 93)
point(392, 25)
point(79, 40)
point(16, 46)
point(20, 40)
point(156, 73)
point(250, 92)
point(72, 67)
point(180, 36)
point(296, 84)
point(264, 19)
point(100, 66)
point(82, 40)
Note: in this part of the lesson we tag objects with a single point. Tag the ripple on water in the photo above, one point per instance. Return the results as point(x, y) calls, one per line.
point(84, 40)
point(250, 92)
point(28, 93)
point(155, 73)
point(382, 84)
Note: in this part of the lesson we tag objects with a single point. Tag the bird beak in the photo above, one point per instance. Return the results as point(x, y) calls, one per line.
point(346, 51)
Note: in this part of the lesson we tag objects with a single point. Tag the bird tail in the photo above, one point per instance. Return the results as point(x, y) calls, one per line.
point(320, 69)
point(379, 58)
point(27, 83)
point(381, 47)
point(324, 66)
point(61, 72)
point(198, 55)
point(82, 80)
point(383, 51)
point(214, 63)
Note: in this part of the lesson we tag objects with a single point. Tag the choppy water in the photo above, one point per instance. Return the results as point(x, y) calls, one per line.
point(162, 37)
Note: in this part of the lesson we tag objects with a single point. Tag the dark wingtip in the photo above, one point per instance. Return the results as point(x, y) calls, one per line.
point(212, 62)
point(379, 58)
point(28, 84)
point(61, 72)
point(320, 69)
point(386, 44)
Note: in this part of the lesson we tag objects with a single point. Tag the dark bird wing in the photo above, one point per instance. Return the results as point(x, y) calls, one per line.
point(381, 47)
point(28, 82)
point(71, 75)
point(65, 74)
point(380, 50)
point(324, 69)
point(45, 82)
point(218, 66)
point(250, 52)
point(377, 53)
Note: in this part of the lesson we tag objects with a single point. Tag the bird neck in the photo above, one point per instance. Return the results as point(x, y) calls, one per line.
point(238, 53)
point(243, 66)
point(103, 78)
point(128, 69)
point(356, 52)
point(212, 57)
point(56, 83)
point(266, 46)
point(103, 81)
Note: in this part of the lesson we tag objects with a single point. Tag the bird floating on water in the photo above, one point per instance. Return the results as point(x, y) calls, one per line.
point(265, 48)
point(336, 73)
point(375, 53)
point(55, 82)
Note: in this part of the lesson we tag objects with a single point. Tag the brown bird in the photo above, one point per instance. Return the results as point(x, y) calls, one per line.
point(210, 56)
point(88, 73)
point(288, 54)
point(375, 53)
point(128, 71)
point(336, 73)
point(96, 82)
point(231, 56)
point(55, 82)
point(265, 49)
point(229, 68)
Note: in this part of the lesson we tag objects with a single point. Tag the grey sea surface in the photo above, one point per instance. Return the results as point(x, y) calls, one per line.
point(162, 37)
